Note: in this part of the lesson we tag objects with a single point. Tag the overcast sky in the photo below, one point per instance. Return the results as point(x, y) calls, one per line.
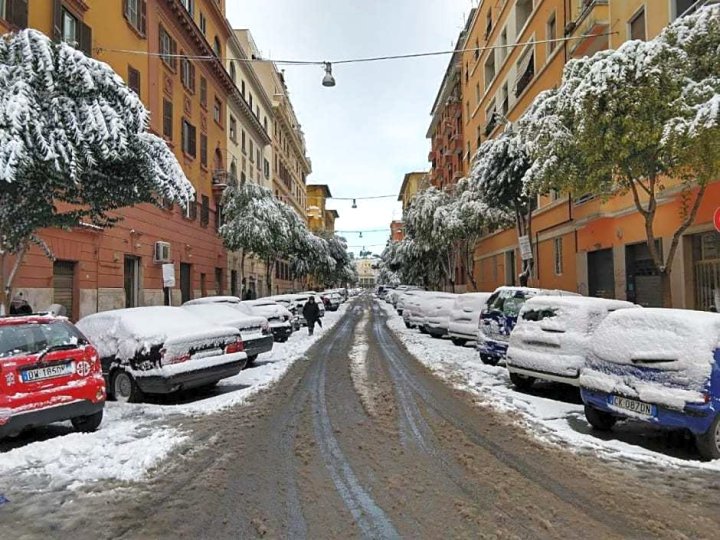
point(368, 131)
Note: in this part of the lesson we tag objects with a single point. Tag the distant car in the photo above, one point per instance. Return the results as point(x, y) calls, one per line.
point(499, 316)
point(332, 300)
point(405, 296)
point(436, 314)
point(49, 372)
point(278, 316)
point(160, 350)
point(551, 337)
point(660, 366)
point(288, 303)
point(412, 311)
point(465, 317)
point(230, 311)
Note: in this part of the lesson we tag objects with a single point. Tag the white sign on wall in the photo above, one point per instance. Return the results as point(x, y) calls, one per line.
point(168, 271)
point(525, 249)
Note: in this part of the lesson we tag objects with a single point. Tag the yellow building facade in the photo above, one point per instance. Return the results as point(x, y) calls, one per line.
point(413, 183)
point(582, 244)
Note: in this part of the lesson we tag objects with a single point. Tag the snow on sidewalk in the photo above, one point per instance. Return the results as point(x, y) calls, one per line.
point(553, 421)
point(134, 438)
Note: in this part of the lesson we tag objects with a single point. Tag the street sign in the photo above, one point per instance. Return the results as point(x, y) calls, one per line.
point(168, 271)
point(716, 219)
point(526, 253)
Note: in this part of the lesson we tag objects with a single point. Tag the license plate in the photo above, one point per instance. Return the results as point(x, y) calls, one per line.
point(207, 354)
point(49, 372)
point(638, 407)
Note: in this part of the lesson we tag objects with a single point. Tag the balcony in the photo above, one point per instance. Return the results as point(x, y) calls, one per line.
point(221, 180)
point(591, 18)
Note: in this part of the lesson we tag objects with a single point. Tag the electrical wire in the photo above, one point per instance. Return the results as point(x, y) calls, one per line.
point(362, 198)
point(386, 229)
point(213, 58)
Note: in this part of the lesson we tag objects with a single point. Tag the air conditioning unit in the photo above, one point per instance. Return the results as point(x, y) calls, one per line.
point(162, 252)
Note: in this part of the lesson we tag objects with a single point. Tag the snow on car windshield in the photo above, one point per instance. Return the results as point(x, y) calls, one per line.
point(31, 338)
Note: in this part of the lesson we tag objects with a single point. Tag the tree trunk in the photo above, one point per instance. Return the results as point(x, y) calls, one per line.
point(666, 287)
point(269, 267)
point(7, 281)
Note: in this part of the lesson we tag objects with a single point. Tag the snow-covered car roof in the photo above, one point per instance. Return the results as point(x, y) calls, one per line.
point(126, 332)
point(666, 338)
point(535, 291)
point(576, 302)
point(474, 300)
point(213, 300)
point(225, 314)
point(261, 302)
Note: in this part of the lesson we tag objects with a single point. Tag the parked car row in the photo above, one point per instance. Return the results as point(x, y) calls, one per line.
point(654, 365)
point(52, 370)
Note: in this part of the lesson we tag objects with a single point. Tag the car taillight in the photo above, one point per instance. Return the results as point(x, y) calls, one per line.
point(175, 359)
point(91, 354)
point(234, 347)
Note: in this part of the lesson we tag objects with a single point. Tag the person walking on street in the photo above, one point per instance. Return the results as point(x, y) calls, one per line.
point(311, 312)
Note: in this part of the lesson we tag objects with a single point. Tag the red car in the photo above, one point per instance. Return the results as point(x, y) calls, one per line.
point(49, 372)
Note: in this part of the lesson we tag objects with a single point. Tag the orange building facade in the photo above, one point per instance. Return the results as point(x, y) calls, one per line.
point(583, 244)
point(121, 267)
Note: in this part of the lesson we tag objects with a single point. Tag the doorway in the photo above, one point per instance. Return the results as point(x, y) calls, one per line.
point(601, 273)
point(64, 286)
point(132, 281)
point(185, 282)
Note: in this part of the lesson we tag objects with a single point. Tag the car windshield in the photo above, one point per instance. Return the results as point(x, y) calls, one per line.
point(507, 302)
point(32, 338)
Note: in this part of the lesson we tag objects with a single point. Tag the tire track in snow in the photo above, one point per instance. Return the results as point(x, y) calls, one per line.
point(359, 369)
point(370, 518)
point(515, 462)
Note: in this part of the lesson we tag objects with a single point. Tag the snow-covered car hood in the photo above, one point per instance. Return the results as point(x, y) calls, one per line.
point(125, 333)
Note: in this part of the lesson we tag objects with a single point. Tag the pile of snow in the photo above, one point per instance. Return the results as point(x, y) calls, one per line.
point(555, 422)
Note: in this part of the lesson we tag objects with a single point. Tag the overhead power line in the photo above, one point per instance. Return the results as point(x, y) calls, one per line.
point(213, 58)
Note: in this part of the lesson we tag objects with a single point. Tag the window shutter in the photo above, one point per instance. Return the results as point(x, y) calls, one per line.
point(57, 20)
point(143, 17)
point(193, 146)
point(17, 12)
point(85, 38)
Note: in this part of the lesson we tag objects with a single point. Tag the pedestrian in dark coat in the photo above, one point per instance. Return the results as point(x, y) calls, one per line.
point(311, 312)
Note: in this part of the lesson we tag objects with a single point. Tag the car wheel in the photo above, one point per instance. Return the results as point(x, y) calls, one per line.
point(407, 325)
point(422, 330)
point(489, 360)
point(459, 341)
point(282, 340)
point(600, 420)
point(125, 389)
point(251, 360)
point(87, 424)
point(708, 444)
point(521, 382)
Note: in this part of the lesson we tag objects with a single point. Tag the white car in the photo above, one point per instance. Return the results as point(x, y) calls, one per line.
point(436, 313)
point(465, 317)
point(551, 337)
point(230, 310)
point(405, 296)
point(279, 317)
point(161, 349)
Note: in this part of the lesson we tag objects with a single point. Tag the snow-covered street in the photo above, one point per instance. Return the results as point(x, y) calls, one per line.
point(134, 438)
point(357, 439)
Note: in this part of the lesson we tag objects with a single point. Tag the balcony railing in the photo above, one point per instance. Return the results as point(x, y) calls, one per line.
point(224, 179)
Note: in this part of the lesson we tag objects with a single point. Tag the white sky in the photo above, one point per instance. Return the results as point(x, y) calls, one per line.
point(368, 131)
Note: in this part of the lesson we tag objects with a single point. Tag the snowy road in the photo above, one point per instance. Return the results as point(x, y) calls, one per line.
point(359, 439)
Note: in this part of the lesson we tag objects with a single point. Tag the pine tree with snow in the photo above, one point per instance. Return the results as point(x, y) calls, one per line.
point(74, 146)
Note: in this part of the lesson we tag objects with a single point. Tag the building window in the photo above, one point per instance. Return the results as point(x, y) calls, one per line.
point(168, 48)
point(242, 142)
point(523, 9)
point(205, 211)
point(258, 160)
point(216, 47)
point(203, 285)
point(488, 24)
point(203, 92)
point(187, 75)
point(217, 111)
point(504, 99)
point(476, 53)
point(489, 69)
point(218, 281)
point(525, 70)
point(266, 168)
point(203, 150)
point(503, 50)
point(242, 88)
point(136, 14)
point(265, 123)
point(233, 72)
point(252, 151)
point(558, 255)
point(203, 23)
point(69, 28)
point(681, 6)
point(191, 209)
point(477, 93)
point(15, 12)
point(250, 101)
point(637, 25)
point(233, 129)
point(167, 119)
point(188, 138)
point(551, 32)
point(134, 80)
point(189, 5)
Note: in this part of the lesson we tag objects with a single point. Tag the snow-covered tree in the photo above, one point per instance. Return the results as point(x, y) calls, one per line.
point(74, 146)
point(498, 179)
point(627, 121)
